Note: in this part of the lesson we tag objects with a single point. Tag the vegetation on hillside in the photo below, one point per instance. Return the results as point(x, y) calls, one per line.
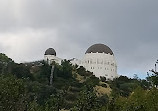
point(26, 87)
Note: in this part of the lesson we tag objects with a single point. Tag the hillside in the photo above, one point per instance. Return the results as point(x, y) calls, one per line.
point(26, 87)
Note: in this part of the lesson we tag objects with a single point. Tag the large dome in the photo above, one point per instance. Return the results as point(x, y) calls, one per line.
point(50, 51)
point(100, 48)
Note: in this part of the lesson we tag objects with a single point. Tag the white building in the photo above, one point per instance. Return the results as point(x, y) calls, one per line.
point(50, 56)
point(98, 59)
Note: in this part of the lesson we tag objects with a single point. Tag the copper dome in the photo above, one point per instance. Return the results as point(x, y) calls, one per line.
point(50, 51)
point(100, 48)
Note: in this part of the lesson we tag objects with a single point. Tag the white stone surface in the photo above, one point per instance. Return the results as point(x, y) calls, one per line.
point(51, 58)
point(101, 64)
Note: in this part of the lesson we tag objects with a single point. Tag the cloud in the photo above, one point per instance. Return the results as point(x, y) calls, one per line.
point(129, 28)
point(23, 44)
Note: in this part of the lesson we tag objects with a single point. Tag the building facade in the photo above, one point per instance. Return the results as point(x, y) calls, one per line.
point(98, 59)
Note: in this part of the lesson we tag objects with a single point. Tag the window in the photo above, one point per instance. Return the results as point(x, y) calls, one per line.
point(90, 61)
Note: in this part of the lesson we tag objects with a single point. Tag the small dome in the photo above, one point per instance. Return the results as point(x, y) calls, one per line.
point(50, 51)
point(100, 48)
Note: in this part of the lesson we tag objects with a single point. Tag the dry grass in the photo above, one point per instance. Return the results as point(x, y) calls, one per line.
point(80, 78)
point(102, 90)
point(64, 110)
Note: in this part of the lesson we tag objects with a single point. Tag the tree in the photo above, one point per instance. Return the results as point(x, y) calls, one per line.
point(153, 79)
point(4, 58)
point(82, 71)
point(92, 81)
point(12, 94)
point(103, 79)
point(5, 63)
point(139, 100)
point(123, 86)
point(55, 102)
point(44, 75)
point(34, 106)
point(87, 100)
point(66, 69)
point(21, 71)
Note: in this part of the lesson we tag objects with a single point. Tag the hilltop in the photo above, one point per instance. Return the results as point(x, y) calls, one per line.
point(26, 86)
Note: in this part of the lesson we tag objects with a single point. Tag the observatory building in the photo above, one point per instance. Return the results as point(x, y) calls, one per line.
point(50, 56)
point(98, 59)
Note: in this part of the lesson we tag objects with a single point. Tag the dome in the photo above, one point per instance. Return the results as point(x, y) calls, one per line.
point(50, 51)
point(100, 48)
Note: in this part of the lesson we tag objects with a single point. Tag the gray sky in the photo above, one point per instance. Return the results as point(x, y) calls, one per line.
point(128, 27)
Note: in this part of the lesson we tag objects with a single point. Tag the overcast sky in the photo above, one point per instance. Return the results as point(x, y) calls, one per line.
point(128, 27)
